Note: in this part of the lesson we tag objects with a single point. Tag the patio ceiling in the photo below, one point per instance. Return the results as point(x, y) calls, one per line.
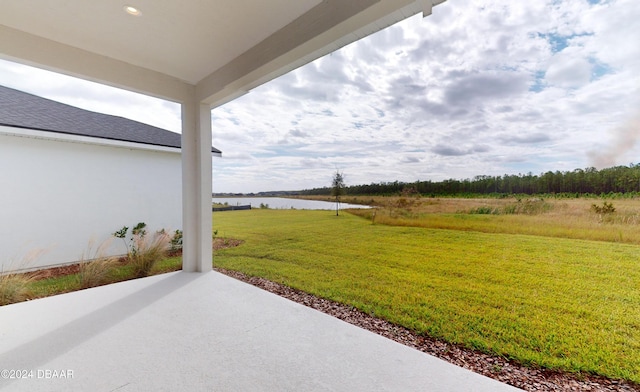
point(223, 47)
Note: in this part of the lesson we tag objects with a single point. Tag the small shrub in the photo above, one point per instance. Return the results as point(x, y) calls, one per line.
point(510, 209)
point(138, 232)
point(606, 208)
point(483, 210)
point(534, 207)
point(137, 235)
point(410, 191)
point(176, 240)
point(402, 203)
point(122, 234)
point(527, 207)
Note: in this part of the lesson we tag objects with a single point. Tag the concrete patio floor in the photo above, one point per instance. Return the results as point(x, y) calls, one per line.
point(205, 332)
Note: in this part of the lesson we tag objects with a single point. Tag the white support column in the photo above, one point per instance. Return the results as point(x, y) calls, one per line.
point(196, 187)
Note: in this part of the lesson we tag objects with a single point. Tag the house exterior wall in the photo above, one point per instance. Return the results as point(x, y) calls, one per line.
point(62, 197)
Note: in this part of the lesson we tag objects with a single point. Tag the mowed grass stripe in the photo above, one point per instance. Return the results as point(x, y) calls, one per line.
point(563, 304)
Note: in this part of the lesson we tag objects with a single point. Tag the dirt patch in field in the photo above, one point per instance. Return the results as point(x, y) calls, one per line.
point(224, 243)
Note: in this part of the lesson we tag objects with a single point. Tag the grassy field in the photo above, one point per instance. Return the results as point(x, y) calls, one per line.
point(559, 303)
point(565, 218)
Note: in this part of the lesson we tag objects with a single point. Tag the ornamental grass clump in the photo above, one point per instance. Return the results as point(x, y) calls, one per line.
point(96, 270)
point(15, 288)
point(148, 251)
point(144, 252)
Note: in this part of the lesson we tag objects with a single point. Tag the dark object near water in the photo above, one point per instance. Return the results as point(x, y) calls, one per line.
point(231, 208)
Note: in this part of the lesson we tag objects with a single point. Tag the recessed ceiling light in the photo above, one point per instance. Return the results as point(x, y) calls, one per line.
point(132, 10)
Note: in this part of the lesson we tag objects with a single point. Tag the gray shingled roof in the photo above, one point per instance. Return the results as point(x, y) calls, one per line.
point(23, 110)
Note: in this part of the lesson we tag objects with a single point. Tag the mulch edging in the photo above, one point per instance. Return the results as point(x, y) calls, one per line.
point(498, 368)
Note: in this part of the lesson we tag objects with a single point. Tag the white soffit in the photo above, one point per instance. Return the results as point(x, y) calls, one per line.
point(210, 50)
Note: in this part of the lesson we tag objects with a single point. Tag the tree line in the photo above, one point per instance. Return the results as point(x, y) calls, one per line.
point(589, 181)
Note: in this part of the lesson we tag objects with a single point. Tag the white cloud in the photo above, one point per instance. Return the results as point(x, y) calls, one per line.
point(567, 70)
point(479, 87)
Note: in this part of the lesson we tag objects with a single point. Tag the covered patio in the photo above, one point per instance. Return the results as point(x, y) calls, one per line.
point(197, 329)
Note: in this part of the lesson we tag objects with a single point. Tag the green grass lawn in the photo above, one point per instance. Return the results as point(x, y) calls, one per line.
point(559, 303)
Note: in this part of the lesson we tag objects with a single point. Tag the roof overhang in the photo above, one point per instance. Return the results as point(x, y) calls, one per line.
point(6, 130)
point(215, 50)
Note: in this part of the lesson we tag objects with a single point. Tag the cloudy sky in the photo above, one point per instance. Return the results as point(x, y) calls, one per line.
point(480, 87)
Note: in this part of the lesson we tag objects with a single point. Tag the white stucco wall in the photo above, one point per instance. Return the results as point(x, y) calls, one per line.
point(58, 197)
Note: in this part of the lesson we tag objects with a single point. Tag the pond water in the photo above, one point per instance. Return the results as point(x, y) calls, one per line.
point(283, 203)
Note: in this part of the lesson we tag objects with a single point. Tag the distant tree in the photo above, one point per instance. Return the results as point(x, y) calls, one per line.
point(337, 188)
